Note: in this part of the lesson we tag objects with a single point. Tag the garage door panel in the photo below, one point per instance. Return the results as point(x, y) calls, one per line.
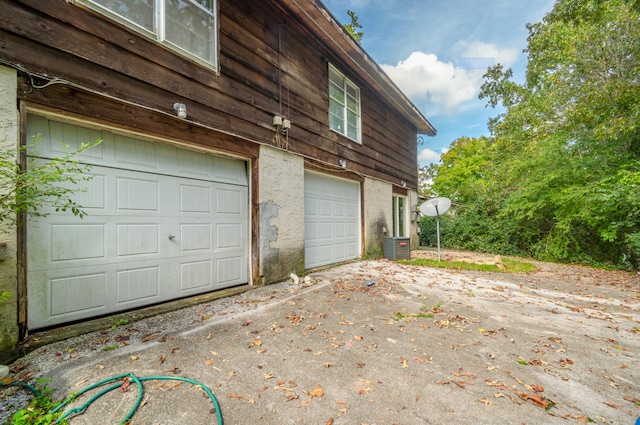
point(326, 231)
point(195, 199)
point(90, 193)
point(135, 153)
point(72, 136)
point(137, 239)
point(77, 293)
point(149, 237)
point(137, 194)
point(195, 236)
point(228, 270)
point(137, 284)
point(229, 235)
point(332, 224)
point(338, 209)
point(132, 153)
point(228, 201)
point(197, 274)
point(76, 241)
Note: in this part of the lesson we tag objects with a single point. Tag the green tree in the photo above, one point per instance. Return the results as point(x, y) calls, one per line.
point(462, 170)
point(354, 26)
point(50, 183)
point(561, 171)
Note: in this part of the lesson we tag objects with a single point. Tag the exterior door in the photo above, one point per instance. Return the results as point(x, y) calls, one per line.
point(331, 220)
point(163, 223)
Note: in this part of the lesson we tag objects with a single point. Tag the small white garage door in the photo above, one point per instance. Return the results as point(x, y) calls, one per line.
point(331, 220)
point(163, 223)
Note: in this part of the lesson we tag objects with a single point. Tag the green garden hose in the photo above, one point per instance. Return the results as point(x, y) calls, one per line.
point(132, 378)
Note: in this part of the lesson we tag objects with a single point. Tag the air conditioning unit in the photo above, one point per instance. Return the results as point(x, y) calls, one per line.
point(397, 248)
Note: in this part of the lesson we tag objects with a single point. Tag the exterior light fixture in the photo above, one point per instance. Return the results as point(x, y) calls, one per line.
point(181, 109)
point(342, 163)
point(404, 183)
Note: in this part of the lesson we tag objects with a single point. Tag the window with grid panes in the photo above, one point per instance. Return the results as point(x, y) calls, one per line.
point(344, 105)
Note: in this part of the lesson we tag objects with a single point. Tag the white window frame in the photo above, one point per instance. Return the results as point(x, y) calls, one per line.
point(159, 30)
point(400, 215)
point(343, 118)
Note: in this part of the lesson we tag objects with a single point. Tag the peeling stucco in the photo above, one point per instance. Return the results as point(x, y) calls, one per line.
point(281, 200)
point(377, 215)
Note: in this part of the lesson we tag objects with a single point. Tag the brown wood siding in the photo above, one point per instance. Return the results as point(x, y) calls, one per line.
point(102, 56)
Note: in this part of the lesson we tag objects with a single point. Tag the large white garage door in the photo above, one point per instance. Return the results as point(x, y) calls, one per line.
point(163, 223)
point(331, 220)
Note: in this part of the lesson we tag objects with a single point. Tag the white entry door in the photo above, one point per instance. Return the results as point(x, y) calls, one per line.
point(331, 220)
point(163, 223)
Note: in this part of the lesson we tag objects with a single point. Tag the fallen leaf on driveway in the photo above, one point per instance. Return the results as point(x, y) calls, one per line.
point(318, 392)
point(241, 397)
point(536, 399)
point(581, 418)
point(485, 401)
point(149, 337)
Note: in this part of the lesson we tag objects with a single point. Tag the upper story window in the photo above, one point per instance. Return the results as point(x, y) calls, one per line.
point(188, 26)
point(344, 105)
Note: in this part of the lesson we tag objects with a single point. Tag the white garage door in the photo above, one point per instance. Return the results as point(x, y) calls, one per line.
point(163, 223)
point(331, 220)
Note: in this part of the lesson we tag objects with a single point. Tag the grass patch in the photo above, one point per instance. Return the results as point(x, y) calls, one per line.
point(111, 347)
point(38, 410)
point(510, 266)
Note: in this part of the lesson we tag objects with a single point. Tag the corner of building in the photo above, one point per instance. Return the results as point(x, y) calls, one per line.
point(9, 333)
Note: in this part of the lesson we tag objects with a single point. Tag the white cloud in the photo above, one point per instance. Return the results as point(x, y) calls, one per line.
point(447, 87)
point(428, 155)
point(479, 49)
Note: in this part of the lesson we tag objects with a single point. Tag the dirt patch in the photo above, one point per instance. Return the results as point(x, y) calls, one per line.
point(453, 255)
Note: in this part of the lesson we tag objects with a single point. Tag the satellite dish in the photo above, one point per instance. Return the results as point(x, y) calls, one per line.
point(435, 207)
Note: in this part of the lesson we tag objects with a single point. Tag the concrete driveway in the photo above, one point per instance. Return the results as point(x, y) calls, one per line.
point(375, 342)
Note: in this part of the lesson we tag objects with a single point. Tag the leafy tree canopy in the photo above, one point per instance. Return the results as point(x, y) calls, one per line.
point(560, 173)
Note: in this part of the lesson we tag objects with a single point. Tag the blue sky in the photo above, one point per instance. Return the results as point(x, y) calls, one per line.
point(436, 51)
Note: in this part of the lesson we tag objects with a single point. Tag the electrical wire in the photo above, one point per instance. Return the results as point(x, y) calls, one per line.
point(278, 143)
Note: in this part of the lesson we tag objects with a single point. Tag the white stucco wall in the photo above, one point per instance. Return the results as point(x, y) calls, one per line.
point(412, 205)
point(8, 270)
point(281, 199)
point(377, 215)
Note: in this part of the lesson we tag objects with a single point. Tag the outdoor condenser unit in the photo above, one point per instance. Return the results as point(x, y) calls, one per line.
point(397, 248)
